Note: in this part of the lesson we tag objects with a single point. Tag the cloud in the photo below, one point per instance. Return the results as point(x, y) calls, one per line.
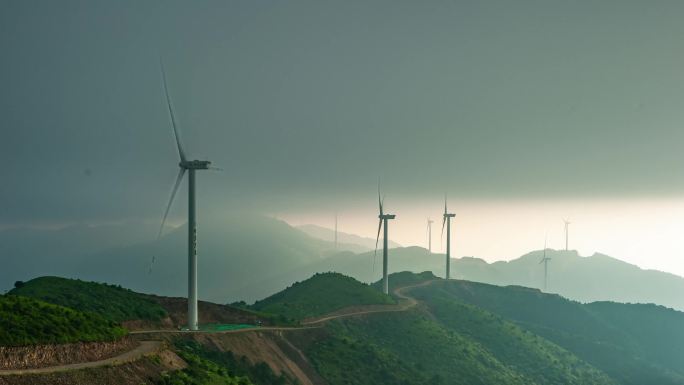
point(305, 103)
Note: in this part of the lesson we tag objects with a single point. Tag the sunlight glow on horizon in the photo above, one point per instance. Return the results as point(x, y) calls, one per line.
point(643, 232)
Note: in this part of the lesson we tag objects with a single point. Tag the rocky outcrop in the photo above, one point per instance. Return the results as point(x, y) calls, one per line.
point(40, 356)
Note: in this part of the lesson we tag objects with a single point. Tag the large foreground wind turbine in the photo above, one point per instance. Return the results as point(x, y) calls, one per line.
point(429, 230)
point(567, 224)
point(191, 166)
point(383, 224)
point(446, 218)
point(545, 260)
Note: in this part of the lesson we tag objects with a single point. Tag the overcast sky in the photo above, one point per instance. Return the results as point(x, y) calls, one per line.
point(305, 104)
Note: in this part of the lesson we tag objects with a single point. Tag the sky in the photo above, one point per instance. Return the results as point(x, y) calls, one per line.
point(524, 112)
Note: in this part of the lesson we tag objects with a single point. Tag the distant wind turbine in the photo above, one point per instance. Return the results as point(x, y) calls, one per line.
point(446, 218)
point(567, 224)
point(191, 166)
point(429, 231)
point(545, 260)
point(383, 224)
point(335, 231)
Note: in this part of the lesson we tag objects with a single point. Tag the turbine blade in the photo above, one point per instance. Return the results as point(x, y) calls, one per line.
point(377, 238)
point(379, 200)
point(445, 204)
point(181, 153)
point(179, 178)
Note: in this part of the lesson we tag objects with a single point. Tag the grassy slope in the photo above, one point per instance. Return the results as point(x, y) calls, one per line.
point(321, 294)
point(111, 302)
point(26, 321)
point(656, 331)
point(634, 344)
point(373, 349)
point(467, 346)
point(405, 278)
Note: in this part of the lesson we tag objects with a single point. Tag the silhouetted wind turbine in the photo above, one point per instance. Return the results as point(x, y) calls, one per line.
point(545, 260)
point(383, 223)
point(567, 224)
point(429, 230)
point(447, 218)
point(191, 166)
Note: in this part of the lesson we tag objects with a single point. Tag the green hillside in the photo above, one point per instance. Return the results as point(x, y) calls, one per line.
point(656, 332)
point(634, 344)
point(111, 302)
point(26, 321)
point(404, 279)
point(321, 294)
point(412, 348)
point(452, 343)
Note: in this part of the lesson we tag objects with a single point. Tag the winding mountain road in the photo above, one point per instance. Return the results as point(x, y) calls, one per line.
point(409, 302)
point(144, 349)
point(152, 347)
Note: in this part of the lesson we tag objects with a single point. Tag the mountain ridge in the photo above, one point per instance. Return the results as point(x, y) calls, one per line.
point(366, 244)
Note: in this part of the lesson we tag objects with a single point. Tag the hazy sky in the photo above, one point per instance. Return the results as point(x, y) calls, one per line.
point(524, 111)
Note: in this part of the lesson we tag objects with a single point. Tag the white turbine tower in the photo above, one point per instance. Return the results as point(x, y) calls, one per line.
point(191, 166)
point(429, 231)
point(567, 224)
point(383, 224)
point(545, 260)
point(446, 218)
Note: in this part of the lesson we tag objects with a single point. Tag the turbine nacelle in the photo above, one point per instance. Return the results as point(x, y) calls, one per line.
point(387, 216)
point(194, 164)
point(449, 215)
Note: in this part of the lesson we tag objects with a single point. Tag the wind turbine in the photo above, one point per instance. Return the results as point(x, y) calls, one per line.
point(446, 218)
point(567, 224)
point(545, 260)
point(383, 224)
point(429, 230)
point(190, 166)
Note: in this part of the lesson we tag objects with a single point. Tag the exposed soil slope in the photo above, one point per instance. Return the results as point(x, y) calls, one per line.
point(145, 371)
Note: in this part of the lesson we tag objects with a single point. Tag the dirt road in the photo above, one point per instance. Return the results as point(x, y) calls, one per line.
point(151, 347)
point(408, 302)
point(145, 348)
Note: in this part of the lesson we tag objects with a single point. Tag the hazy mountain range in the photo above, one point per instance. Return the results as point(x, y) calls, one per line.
point(345, 241)
point(247, 258)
